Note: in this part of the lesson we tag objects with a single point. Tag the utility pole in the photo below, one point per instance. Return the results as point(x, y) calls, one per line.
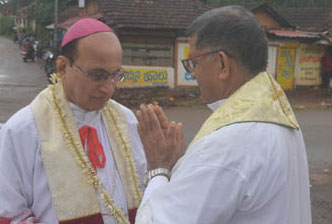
point(55, 37)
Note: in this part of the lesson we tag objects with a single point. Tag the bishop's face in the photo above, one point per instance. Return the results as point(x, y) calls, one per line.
point(98, 53)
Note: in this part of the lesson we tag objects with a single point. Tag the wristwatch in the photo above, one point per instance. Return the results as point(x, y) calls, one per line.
point(156, 172)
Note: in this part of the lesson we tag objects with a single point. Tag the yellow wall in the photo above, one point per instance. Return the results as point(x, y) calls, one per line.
point(144, 76)
point(286, 67)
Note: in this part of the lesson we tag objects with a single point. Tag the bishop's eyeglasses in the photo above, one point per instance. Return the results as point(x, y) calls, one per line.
point(116, 76)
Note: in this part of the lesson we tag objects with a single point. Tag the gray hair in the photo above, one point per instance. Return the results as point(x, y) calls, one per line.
point(235, 30)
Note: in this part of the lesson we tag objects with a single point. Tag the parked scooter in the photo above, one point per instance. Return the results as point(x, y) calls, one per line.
point(49, 67)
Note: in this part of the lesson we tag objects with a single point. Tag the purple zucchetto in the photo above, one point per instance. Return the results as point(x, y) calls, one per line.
point(84, 27)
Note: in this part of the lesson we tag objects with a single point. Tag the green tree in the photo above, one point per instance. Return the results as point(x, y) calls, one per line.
point(43, 11)
point(14, 5)
point(6, 25)
point(278, 3)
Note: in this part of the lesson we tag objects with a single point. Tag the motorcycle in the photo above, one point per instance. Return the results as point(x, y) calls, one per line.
point(49, 66)
point(28, 55)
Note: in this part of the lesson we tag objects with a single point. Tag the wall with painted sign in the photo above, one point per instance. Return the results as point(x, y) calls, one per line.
point(286, 67)
point(144, 76)
point(272, 60)
point(307, 70)
point(183, 78)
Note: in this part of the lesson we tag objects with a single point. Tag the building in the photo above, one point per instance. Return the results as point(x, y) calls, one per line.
point(152, 36)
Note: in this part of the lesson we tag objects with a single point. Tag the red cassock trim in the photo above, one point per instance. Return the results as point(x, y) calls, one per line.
point(4, 220)
point(132, 215)
point(92, 219)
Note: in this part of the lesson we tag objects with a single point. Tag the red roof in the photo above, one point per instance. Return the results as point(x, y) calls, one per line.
point(66, 24)
point(293, 34)
point(156, 14)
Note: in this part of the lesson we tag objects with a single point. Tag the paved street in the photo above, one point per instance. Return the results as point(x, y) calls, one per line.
point(20, 82)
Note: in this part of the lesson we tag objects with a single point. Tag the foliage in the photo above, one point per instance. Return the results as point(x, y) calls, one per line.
point(278, 3)
point(14, 5)
point(28, 31)
point(43, 35)
point(43, 11)
point(6, 25)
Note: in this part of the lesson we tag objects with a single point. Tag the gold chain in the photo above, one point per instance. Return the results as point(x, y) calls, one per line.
point(129, 158)
point(84, 162)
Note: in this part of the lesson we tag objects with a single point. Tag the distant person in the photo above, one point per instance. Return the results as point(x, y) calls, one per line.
point(39, 51)
point(20, 37)
point(15, 35)
point(27, 44)
point(326, 68)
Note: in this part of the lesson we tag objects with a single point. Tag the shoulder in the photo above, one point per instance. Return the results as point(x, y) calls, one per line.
point(250, 134)
point(244, 145)
point(130, 116)
point(21, 121)
point(19, 136)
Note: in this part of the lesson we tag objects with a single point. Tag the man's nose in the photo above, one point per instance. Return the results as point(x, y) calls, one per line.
point(107, 85)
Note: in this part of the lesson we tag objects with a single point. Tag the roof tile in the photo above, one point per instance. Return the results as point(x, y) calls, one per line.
point(161, 14)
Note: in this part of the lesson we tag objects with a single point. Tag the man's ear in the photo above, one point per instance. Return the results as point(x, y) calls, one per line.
point(62, 64)
point(225, 65)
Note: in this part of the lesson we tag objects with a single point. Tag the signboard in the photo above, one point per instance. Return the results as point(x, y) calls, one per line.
point(286, 67)
point(144, 76)
point(308, 64)
point(272, 59)
point(184, 78)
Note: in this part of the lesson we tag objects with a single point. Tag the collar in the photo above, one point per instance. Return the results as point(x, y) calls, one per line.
point(83, 117)
point(215, 105)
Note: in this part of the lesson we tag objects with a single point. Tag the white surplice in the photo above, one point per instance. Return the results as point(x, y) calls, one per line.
point(23, 183)
point(244, 173)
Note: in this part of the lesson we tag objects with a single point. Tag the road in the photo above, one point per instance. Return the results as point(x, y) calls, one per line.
point(20, 83)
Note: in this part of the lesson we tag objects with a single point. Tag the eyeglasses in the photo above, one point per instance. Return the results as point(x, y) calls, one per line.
point(116, 76)
point(189, 64)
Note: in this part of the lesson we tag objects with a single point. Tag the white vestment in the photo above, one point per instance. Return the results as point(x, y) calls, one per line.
point(24, 185)
point(243, 173)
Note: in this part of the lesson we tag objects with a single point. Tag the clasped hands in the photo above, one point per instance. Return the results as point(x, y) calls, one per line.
point(163, 141)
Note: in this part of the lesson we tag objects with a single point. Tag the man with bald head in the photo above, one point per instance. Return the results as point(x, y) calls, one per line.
point(73, 155)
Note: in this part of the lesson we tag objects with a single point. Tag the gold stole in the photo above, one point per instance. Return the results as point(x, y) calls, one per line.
point(259, 100)
point(74, 185)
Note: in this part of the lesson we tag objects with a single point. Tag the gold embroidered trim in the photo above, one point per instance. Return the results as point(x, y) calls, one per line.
point(277, 94)
point(131, 168)
point(83, 161)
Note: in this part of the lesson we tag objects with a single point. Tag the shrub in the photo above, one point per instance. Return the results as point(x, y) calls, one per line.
point(6, 25)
